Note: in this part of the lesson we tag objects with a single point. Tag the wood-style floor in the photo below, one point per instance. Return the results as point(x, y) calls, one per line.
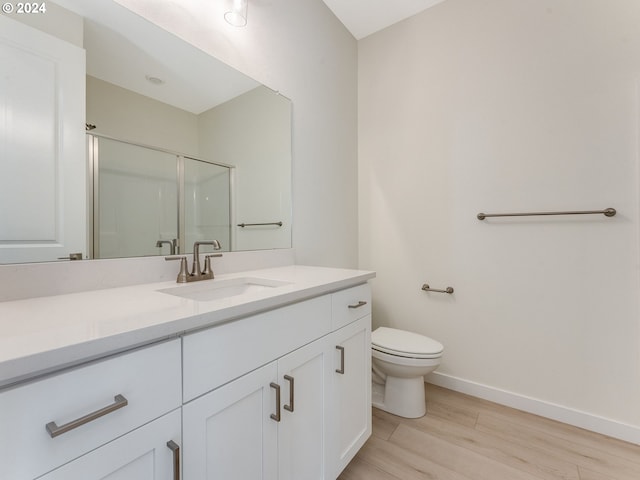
point(466, 438)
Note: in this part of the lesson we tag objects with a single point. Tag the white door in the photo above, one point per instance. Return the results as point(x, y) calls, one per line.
point(351, 419)
point(42, 147)
point(143, 454)
point(304, 376)
point(229, 432)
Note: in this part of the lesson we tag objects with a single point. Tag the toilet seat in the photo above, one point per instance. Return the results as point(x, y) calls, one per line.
point(401, 343)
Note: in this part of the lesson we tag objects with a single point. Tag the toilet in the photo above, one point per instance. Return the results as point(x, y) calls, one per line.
point(400, 360)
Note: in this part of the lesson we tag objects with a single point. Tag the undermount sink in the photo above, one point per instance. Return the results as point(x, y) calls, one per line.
point(208, 290)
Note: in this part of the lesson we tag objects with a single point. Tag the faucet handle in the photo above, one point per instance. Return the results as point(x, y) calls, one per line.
point(183, 274)
point(208, 271)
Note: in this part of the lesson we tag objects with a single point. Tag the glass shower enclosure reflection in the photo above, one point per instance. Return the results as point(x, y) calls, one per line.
point(151, 202)
point(206, 204)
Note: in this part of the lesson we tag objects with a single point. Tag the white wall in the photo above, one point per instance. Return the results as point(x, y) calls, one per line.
point(299, 48)
point(507, 106)
point(126, 115)
point(57, 21)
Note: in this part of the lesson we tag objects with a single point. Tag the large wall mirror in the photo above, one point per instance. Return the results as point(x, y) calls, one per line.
point(118, 139)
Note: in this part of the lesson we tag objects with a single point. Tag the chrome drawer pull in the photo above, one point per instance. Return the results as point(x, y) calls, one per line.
point(54, 430)
point(358, 305)
point(276, 416)
point(175, 448)
point(341, 369)
point(289, 408)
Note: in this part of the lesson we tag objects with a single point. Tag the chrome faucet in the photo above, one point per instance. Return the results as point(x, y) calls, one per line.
point(195, 270)
point(171, 243)
point(196, 273)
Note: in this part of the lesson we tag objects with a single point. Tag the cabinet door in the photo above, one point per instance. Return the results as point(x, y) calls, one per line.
point(140, 455)
point(229, 432)
point(304, 376)
point(351, 418)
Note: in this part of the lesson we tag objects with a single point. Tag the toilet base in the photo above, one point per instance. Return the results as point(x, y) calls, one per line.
point(403, 397)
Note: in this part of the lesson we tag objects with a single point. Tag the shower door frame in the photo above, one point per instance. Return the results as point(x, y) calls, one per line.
point(93, 191)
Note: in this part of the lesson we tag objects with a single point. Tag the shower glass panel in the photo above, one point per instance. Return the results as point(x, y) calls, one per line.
point(136, 202)
point(206, 204)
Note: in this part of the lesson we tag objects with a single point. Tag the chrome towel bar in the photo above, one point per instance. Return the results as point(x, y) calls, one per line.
point(427, 288)
point(607, 212)
point(259, 224)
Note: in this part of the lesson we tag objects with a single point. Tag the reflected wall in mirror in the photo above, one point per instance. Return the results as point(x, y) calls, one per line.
point(207, 148)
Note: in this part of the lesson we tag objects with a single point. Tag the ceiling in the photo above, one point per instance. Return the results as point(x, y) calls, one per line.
point(135, 49)
point(128, 51)
point(187, 78)
point(364, 17)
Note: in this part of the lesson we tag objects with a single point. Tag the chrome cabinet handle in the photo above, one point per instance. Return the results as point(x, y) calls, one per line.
point(55, 430)
point(341, 369)
point(289, 407)
point(358, 305)
point(276, 416)
point(175, 448)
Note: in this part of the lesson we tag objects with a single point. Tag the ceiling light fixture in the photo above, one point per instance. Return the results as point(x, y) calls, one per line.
point(237, 14)
point(154, 80)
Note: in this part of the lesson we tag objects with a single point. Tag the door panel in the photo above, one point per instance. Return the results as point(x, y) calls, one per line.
point(352, 390)
point(43, 167)
point(228, 433)
point(301, 434)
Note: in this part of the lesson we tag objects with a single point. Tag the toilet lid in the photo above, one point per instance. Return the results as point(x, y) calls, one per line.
point(403, 343)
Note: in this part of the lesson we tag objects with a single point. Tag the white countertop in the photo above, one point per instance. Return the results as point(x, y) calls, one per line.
point(43, 334)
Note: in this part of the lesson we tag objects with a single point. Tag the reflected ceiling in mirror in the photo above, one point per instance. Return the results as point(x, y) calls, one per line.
point(144, 86)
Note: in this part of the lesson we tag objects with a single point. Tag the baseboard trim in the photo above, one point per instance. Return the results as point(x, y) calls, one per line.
point(577, 418)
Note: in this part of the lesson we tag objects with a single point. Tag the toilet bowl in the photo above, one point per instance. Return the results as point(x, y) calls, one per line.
point(400, 360)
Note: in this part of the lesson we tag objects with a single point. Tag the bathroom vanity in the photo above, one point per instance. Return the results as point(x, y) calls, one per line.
point(269, 379)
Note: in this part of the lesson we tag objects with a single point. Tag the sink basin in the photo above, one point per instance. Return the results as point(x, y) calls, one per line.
point(207, 290)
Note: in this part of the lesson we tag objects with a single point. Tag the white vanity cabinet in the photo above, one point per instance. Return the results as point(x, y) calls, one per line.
point(293, 416)
point(268, 424)
point(350, 422)
point(50, 422)
point(283, 394)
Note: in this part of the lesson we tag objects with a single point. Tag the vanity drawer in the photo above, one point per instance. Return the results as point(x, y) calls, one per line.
point(147, 380)
point(350, 305)
point(225, 352)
